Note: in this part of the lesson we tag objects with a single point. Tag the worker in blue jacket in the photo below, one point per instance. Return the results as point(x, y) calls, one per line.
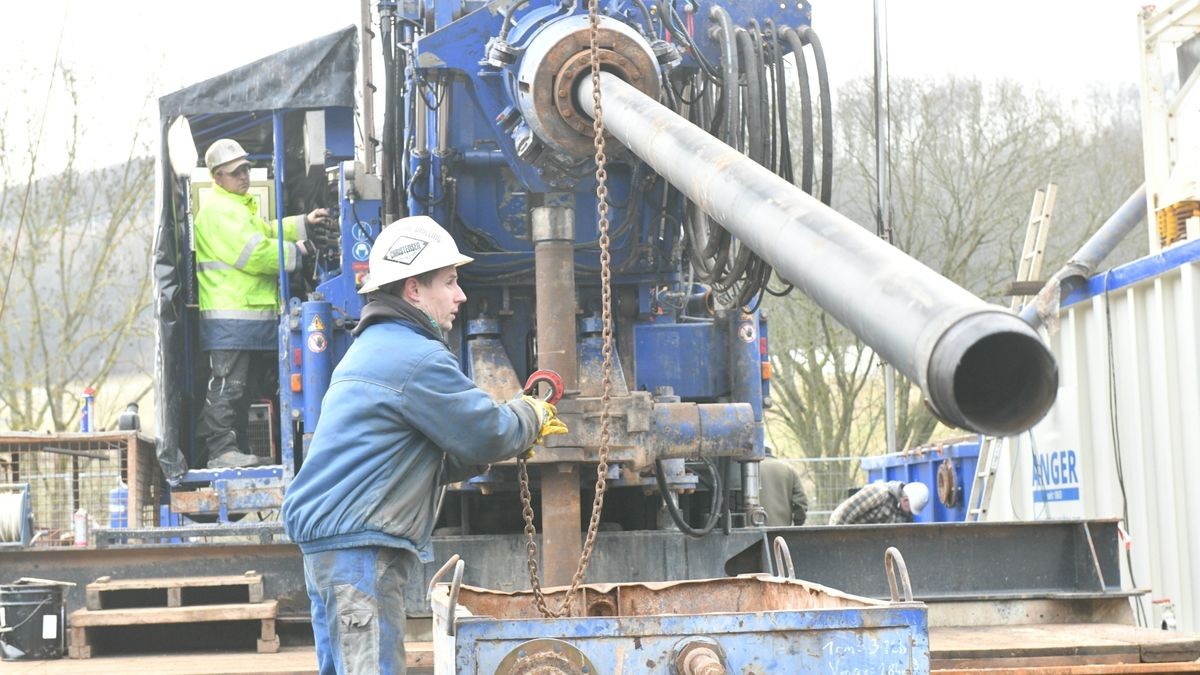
point(399, 420)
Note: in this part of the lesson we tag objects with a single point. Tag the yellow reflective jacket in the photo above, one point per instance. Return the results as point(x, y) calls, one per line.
point(237, 269)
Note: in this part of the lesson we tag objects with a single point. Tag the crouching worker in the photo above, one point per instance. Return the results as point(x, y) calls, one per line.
point(882, 502)
point(399, 420)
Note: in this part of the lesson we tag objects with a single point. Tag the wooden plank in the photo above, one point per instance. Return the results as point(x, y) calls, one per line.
point(289, 660)
point(79, 647)
point(1135, 644)
point(1154, 645)
point(1025, 663)
point(978, 642)
point(268, 641)
point(1006, 668)
point(418, 654)
point(139, 616)
point(108, 584)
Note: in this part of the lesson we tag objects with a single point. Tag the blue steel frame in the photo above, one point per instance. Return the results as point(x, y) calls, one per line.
point(879, 639)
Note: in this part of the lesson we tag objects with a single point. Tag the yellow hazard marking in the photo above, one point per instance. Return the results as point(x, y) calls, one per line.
point(316, 324)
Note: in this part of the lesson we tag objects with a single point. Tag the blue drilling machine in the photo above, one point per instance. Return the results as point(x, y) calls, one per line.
point(631, 264)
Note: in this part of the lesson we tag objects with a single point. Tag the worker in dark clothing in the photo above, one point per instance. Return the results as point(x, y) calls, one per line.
point(880, 502)
point(237, 269)
point(399, 420)
point(781, 492)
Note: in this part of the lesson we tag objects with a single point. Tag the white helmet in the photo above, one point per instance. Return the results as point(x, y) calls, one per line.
point(408, 247)
point(222, 152)
point(918, 496)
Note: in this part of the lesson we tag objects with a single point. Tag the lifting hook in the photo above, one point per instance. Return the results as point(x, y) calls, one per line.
point(549, 377)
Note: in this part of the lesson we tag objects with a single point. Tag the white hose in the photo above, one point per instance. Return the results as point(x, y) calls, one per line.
point(11, 508)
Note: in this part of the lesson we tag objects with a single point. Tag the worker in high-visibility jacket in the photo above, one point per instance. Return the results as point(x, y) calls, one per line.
point(237, 268)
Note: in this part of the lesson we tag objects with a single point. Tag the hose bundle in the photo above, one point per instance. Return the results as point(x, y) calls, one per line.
point(743, 100)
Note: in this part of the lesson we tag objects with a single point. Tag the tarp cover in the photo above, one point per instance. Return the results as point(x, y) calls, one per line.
point(316, 74)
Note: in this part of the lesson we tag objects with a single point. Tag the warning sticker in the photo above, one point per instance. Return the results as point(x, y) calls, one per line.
point(316, 324)
point(405, 250)
point(361, 251)
point(317, 343)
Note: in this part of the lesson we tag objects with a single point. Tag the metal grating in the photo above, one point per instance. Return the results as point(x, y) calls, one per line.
point(827, 482)
point(261, 430)
point(68, 472)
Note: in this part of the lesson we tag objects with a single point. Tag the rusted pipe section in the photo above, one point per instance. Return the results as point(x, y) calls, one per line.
point(981, 367)
point(1080, 267)
point(554, 272)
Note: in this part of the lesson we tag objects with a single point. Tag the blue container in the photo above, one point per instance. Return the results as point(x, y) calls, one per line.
point(922, 465)
point(750, 623)
point(118, 506)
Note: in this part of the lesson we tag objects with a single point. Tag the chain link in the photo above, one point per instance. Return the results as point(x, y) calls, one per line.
point(589, 543)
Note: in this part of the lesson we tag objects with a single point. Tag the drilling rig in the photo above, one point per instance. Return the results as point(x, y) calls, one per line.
point(631, 180)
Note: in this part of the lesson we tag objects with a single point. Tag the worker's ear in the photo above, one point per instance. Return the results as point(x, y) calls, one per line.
point(412, 290)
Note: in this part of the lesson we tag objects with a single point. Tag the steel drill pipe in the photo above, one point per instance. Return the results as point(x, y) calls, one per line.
point(981, 367)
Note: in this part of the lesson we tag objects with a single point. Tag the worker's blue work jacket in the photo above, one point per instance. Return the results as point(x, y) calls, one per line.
point(398, 416)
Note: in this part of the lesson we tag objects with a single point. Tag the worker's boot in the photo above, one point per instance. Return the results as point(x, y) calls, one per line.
point(233, 460)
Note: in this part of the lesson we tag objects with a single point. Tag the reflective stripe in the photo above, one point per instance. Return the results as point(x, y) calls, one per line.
point(301, 222)
point(247, 251)
point(249, 314)
point(210, 265)
point(291, 254)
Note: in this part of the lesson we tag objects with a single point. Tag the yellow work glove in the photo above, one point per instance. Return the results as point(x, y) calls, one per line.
point(547, 419)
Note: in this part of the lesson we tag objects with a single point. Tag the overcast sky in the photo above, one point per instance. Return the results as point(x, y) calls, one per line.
point(126, 53)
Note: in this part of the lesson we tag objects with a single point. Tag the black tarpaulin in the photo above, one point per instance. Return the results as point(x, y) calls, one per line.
point(316, 74)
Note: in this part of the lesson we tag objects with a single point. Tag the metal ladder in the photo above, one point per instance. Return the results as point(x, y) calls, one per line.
point(1029, 267)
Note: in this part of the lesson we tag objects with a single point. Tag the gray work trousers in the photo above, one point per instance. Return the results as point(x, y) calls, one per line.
point(357, 597)
point(238, 378)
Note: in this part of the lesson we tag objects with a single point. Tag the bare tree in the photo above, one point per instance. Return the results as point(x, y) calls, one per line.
point(965, 161)
point(76, 312)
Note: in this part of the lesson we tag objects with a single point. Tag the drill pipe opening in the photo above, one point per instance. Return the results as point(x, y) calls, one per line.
point(991, 373)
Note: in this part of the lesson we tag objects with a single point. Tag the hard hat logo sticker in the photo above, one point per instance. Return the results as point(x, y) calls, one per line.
point(405, 250)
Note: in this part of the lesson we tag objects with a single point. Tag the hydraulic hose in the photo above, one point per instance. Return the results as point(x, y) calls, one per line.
point(806, 116)
point(808, 35)
point(716, 505)
point(646, 17)
point(508, 17)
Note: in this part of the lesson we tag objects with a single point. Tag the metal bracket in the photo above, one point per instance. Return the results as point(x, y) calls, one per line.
point(783, 559)
point(892, 560)
point(455, 585)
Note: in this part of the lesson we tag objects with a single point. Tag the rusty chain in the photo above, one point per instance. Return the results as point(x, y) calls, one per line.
point(606, 397)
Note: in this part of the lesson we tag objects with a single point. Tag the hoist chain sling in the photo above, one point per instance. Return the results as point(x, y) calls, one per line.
point(606, 301)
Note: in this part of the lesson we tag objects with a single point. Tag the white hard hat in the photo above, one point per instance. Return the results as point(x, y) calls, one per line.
point(408, 247)
point(222, 152)
point(918, 496)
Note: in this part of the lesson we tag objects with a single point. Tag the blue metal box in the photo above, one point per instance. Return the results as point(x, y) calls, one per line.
point(947, 469)
point(751, 624)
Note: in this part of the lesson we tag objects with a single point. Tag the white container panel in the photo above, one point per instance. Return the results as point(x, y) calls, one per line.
point(1128, 408)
